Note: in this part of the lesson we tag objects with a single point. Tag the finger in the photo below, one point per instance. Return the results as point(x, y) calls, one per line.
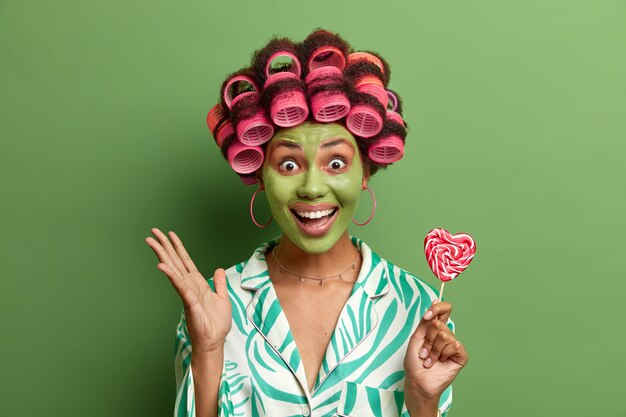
point(219, 280)
point(422, 326)
point(177, 281)
point(444, 338)
point(167, 245)
point(435, 326)
point(429, 315)
point(440, 310)
point(162, 253)
point(456, 352)
point(182, 252)
point(163, 256)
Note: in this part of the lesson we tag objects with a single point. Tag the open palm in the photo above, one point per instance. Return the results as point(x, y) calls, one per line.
point(208, 313)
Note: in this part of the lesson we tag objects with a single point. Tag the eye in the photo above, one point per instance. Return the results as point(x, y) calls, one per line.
point(336, 163)
point(288, 165)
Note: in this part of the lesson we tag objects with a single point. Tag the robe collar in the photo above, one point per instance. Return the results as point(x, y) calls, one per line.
point(373, 277)
point(357, 320)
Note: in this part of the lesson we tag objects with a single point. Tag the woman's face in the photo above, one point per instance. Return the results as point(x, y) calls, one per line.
point(313, 178)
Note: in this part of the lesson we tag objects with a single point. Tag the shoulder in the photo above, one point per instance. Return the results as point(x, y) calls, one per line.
point(401, 281)
point(400, 277)
point(406, 293)
point(411, 292)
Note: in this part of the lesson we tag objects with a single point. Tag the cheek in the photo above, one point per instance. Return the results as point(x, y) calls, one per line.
point(347, 189)
point(348, 186)
point(280, 190)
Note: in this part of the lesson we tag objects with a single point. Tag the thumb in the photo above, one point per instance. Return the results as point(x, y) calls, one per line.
point(219, 280)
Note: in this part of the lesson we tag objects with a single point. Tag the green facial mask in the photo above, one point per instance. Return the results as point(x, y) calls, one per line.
point(313, 163)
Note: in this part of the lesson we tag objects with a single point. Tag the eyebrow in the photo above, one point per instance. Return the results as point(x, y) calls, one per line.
point(334, 143)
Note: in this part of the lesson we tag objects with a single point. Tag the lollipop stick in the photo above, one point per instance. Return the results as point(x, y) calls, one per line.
point(441, 291)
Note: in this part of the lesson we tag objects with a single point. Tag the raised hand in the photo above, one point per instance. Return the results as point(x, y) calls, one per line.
point(208, 313)
point(434, 356)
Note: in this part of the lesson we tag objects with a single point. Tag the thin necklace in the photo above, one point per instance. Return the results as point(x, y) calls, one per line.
point(321, 280)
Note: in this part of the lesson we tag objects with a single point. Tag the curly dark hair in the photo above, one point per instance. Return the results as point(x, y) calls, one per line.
point(320, 79)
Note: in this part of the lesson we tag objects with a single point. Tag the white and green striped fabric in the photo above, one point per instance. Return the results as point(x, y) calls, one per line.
point(362, 374)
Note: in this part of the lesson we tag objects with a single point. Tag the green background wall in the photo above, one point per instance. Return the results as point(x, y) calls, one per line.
point(517, 114)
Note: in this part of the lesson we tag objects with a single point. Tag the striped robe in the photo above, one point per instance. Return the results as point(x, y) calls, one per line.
point(362, 373)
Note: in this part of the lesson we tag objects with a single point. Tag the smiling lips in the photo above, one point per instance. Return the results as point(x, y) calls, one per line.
point(314, 219)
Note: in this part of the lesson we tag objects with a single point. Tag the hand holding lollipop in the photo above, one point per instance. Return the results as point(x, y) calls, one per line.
point(448, 255)
point(434, 356)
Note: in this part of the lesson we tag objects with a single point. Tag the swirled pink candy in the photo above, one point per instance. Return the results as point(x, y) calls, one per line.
point(448, 255)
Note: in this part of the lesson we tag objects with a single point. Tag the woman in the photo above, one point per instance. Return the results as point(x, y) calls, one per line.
point(314, 323)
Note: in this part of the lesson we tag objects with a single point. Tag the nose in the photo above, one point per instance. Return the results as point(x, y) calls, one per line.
point(314, 184)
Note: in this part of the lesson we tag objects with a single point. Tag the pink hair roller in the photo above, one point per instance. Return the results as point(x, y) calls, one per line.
point(327, 106)
point(386, 150)
point(289, 108)
point(280, 76)
point(392, 115)
point(244, 159)
point(294, 70)
point(225, 130)
point(367, 57)
point(327, 56)
point(323, 75)
point(215, 116)
point(255, 130)
point(393, 101)
point(374, 87)
point(218, 123)
point(364, 121)
point(392, 107)
point(230, 97)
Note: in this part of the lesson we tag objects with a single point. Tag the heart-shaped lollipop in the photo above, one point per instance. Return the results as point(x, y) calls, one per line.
point(448, 255)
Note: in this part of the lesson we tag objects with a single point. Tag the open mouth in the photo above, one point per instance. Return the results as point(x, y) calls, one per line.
point(315, 223)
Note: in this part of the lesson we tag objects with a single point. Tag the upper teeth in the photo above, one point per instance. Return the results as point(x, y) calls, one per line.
point(314, 214)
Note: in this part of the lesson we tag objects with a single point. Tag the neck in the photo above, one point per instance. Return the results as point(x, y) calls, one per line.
point(331, 262)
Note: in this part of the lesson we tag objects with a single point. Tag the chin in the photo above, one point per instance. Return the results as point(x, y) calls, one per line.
point(315, 245)
point(316, 249)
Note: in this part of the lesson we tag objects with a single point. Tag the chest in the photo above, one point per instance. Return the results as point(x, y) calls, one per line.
point(312, 313)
